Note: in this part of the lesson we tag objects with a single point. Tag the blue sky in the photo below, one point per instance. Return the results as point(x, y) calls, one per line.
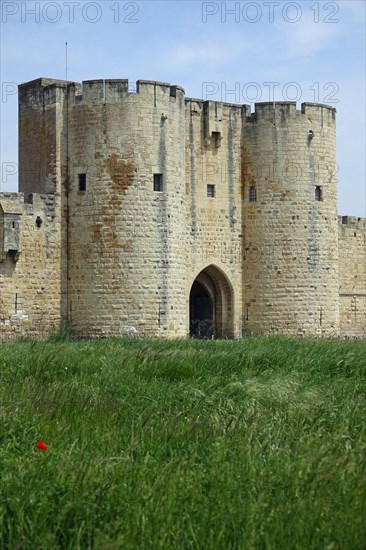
point(209, 48)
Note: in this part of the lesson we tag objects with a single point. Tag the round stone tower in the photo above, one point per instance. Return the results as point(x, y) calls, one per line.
point(125, 208)
point(290, 280)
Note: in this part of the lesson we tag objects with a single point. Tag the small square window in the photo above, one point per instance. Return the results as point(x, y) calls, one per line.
point(158, 182)
point(211, 191)
point(82, 182)
point(252, 194)
point(318, 193)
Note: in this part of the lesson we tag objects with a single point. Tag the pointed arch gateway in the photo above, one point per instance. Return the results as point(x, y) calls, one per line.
point(211, 305)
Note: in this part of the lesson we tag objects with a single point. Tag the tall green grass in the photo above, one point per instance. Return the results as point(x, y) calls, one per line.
point(252, 444)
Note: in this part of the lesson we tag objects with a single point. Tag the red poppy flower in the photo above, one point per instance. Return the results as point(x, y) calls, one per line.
point(42, 446)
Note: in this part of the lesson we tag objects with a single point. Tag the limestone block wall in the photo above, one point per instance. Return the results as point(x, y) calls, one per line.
point(39, 135)
point(126, 241)
point(290, 275)
point(352, 276)
point(30, 281)
point(43, 151)
point(214, 223)
point(143, 194)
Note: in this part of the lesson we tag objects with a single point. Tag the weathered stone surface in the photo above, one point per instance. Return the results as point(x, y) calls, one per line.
point(121, 258)
point(30, 283)
point(352, 271)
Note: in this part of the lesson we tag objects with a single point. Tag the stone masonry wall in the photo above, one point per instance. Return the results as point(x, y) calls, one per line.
point(44, 153)
point(30, 282)
point(38, 135)
point(127, 257)
point(238, 214)
point(290, 239)
point(214, 224)
point(352, 275)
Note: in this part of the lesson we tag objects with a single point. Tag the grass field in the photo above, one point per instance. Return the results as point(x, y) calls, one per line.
point(252, 444)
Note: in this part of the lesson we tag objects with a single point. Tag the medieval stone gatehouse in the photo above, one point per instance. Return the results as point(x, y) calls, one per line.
point(153, 214)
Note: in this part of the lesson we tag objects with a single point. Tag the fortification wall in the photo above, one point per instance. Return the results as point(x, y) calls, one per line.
point(213, 194)
point(44, 153)
point(242, 203)
point(352, 276)
point(30, 292)
point(127, 253)
point(39, 135)
point(290, 239)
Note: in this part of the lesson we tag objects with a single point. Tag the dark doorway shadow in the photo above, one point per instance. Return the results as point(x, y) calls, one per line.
point(201, 321)
point(211, 305)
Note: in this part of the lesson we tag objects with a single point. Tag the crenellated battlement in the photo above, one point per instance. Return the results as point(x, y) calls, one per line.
point(308, 107)
point(17, 203)
point(45, 91)
point(12, 200)
point(116, 90)
point(287, 110)
point(41, 92)
point(352, 222)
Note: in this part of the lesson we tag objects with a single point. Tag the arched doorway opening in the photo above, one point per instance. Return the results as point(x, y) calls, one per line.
point(211, 305)
point(201, 312)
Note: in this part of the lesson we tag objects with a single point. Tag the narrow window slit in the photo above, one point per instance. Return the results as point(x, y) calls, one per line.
point(252, 194)
point(318, 193)
point(211, 191)
point(158, 182)
point(82, 182)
